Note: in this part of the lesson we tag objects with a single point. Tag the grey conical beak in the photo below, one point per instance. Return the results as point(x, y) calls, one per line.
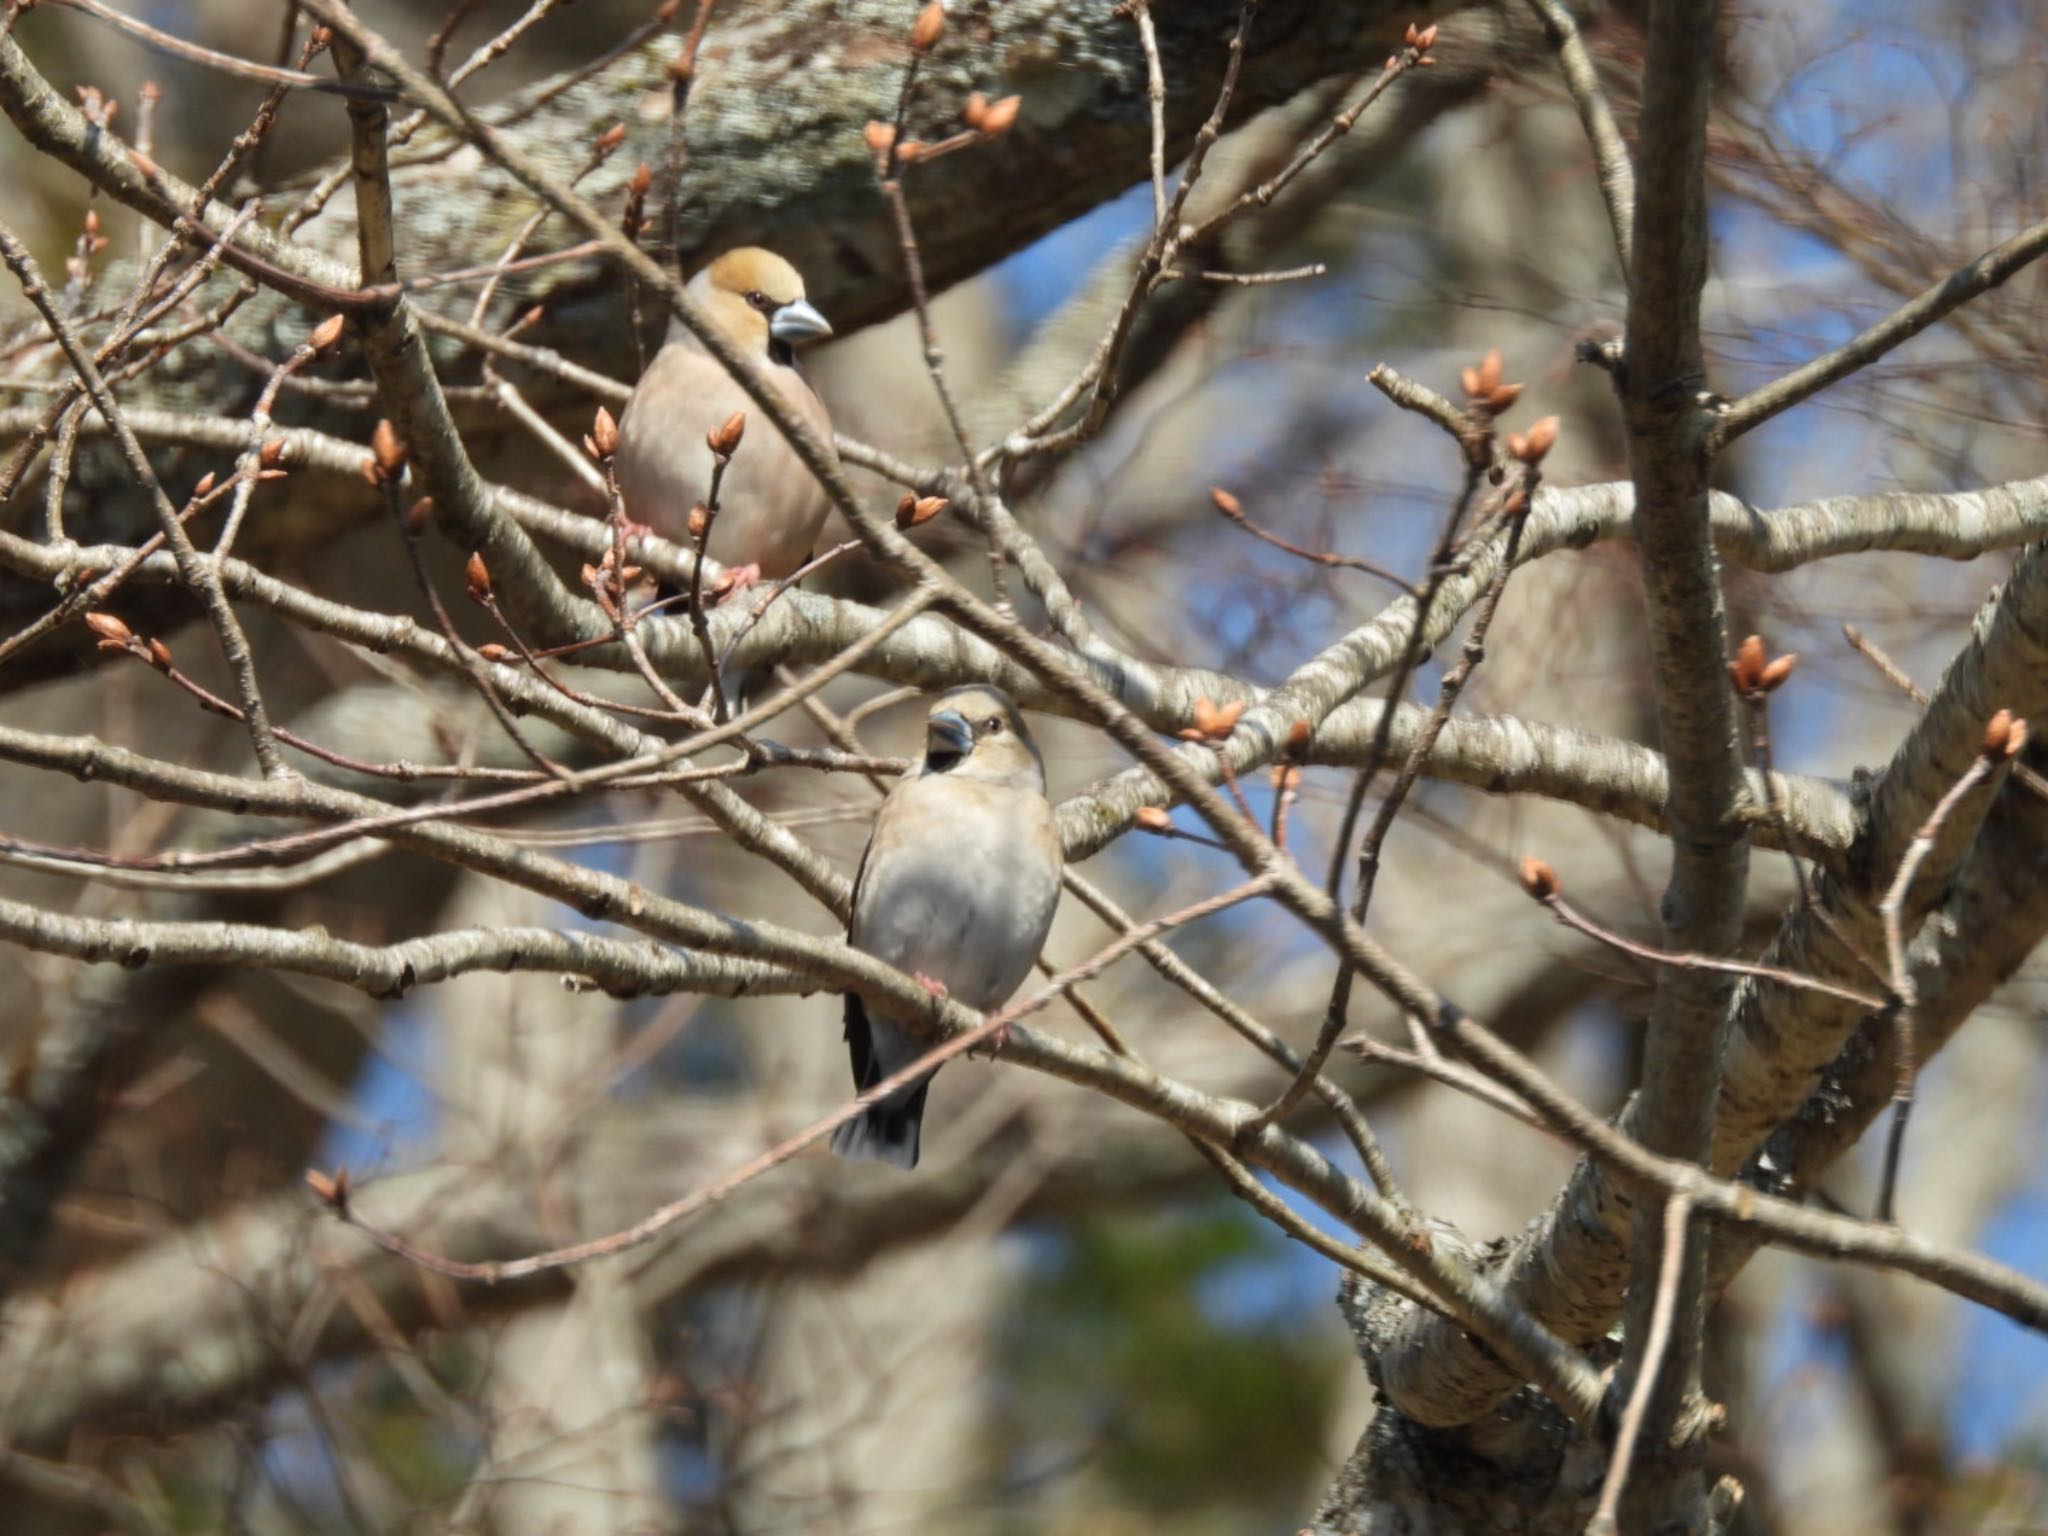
point(797, 322)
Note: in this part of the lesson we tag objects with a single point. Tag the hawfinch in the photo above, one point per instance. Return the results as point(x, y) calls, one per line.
point(770, 506)
point(957, 886)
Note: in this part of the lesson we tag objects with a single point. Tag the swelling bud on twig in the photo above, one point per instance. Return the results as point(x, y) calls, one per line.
point(604, 434)
point(1214, 722)
point(912, 511)
point(725, 440)
point(1227, 504)
point(699, 522)
point(1752, 675)
point(1485, 379)
point(1001, 116)
point(929, 27)
point(327, 333)
point(1531, 446)
point(478, 577)
point(114, 635)
point(329, 1191)
point(1151, 818)
point(386, 451)
point(1539, 879)
point(2004, 735)
point(490, 650)
point(1299, 735)
point(878, 136)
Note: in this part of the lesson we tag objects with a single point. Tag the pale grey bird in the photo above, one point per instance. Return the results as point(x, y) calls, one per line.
point(957, 886)
point(771, 506)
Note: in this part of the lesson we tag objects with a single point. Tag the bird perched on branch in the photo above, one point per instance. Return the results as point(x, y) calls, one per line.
point(957, 886)
point(770, 505)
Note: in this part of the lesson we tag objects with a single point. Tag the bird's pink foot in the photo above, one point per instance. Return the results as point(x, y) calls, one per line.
point(938, 989)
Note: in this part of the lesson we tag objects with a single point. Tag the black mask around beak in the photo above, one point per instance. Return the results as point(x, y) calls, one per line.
point(948, 738)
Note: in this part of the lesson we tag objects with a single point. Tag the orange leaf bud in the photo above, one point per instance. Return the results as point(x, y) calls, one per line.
point(609, 140)
point(490, 650)
point(1226, 503)
point(478, 576)
point(1539, 879)
point(1001, 116)
point(604, 432)
point(975, 110)
point(327, 333)
point(159, 654)
point(387, 450)
point(1775, 674)
point(1152, 818)
point(879, 136)
point(1531, 446)
point(929, 27)
point(699, 522)
point(205, 485)
point(2004, 735)
point(725, 440)
point(112, 632)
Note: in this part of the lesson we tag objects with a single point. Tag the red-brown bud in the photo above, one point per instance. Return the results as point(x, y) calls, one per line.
point(1774, 675)
point(1746, 671)
point(159, 654)
point(1299, 735)
point(725, 440)
point(327, 333)
point(1001, 116)
point(114, 635)
point(1531, 446)
point(1215, 722)
point(2004, 735)
point(699, 522)
point(609, 140)
point(478, 577)
point(1226, 503)
point(490, 650)
point(1152, 818)
point(915, 510)
point(329, 1191)
point(879, 136)
point(604, 433)
point(975, 110)
point(205, 485)
point(386, 450)
point(910, 151)
point(1539, 879)
point(929, 27)
point(271, 454)
point(643, 178)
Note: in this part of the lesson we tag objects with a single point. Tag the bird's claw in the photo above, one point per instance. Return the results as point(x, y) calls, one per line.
point(938, 989)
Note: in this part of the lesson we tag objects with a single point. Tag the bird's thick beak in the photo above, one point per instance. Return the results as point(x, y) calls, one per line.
point(949, 733)
point(797, 321)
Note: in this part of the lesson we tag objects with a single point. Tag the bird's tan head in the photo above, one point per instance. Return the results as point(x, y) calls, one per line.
point(977, 732)
point(757, 299)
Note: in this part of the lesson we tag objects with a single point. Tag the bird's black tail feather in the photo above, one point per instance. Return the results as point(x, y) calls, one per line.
point(886, 1132)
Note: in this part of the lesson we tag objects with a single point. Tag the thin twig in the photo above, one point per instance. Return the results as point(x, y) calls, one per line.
point(1677, 1209)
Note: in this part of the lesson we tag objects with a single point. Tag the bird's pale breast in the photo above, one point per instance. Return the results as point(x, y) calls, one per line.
point(968, 896)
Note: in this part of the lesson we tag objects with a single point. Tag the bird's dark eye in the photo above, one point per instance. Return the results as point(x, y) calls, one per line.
point(993, 725)
point(760, 301)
